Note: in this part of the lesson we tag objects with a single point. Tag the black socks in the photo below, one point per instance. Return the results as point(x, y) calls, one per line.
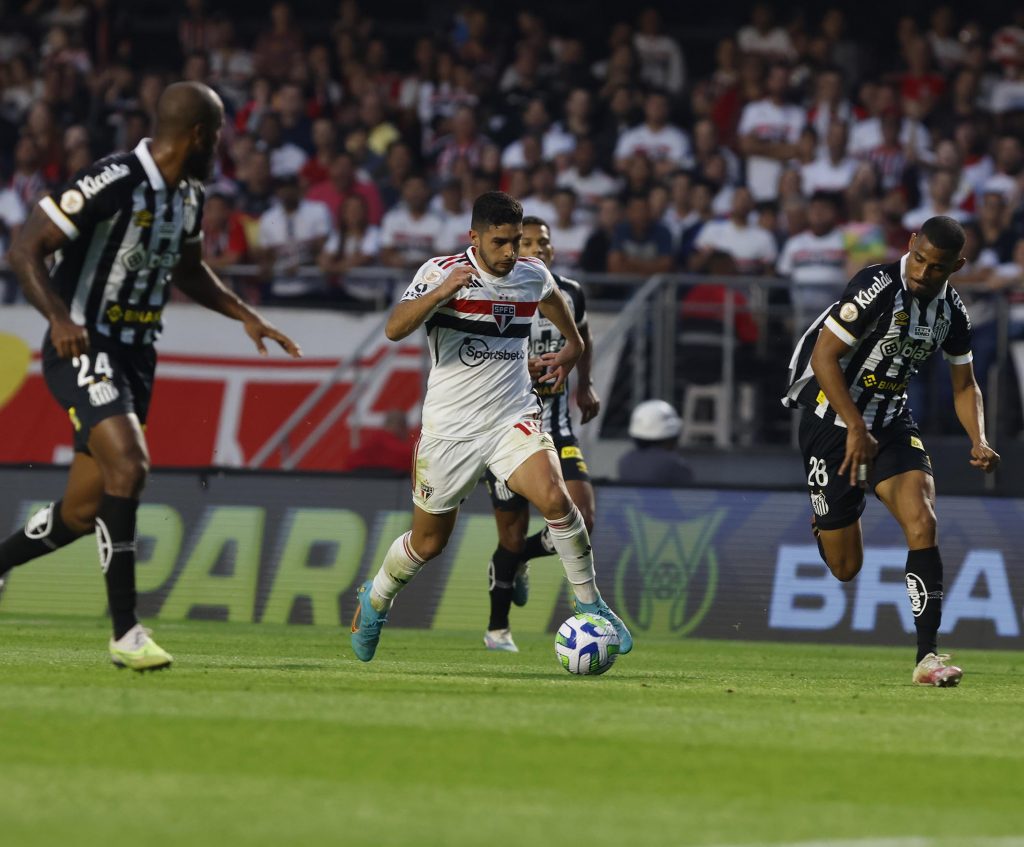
point(537, 545)
point(115, 536)
point(504, 564)
point(924, 588)
point(44, 533)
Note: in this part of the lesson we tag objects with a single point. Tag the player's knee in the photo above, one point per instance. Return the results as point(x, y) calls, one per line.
point(921, 530)
point(127, 476)
point(80, 517)
point(845, 567)
point(554, 503)
point(513, 541)
point(428, 547)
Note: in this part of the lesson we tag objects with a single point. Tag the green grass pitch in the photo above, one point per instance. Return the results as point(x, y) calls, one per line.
point(270, 735)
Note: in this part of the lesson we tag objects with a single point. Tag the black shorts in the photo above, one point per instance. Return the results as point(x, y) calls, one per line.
point(835, 502)
point(570, 457)
point(111, 379)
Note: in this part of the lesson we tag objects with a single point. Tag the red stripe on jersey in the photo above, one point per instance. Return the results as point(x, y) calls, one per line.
point(453, 260)
point(483, 307)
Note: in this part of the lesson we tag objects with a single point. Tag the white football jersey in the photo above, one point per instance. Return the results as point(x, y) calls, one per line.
point(478, 346)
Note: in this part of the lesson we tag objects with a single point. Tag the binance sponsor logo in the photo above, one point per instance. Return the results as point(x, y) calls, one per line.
point(143, 219)
point(821, 398)
point(876, 383)
point(571, 452)
point(116, 314)
point(901, 318)
point(916, 442)
point(75, 422)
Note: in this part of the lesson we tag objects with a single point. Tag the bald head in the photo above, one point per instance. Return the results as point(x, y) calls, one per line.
point(189, 117)
point(183, 106)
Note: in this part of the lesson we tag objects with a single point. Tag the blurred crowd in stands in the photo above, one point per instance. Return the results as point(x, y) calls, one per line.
point(795, 151)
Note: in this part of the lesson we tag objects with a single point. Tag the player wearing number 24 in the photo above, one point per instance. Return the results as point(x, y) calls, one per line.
point(849, 376)
point(127, 228)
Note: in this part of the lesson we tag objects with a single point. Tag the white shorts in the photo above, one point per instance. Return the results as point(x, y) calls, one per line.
point(446, 471)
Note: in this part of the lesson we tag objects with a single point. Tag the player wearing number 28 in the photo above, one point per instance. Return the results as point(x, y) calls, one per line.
point(849, 377)
point(123, 230)
point(480, 411)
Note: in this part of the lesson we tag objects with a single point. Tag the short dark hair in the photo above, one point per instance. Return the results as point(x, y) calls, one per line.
point(944, 232)
point(495, 208)
point(533, 220)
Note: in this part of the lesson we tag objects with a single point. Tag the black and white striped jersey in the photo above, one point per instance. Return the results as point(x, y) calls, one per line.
point(126, 229)
point(545, 338)
point(890, 334)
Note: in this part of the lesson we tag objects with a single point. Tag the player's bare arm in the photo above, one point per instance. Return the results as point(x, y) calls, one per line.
point(194, 277)
point(40, 238)
point(586, 397)
point(861, 445)
point(970, 410)
point(555, 309)
point(409, 315)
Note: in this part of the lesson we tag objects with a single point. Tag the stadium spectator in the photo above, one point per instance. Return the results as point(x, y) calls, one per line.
point(663, 143)
point(761, 37)
point(640, 245)
point(325, 146)
point(279, 48)
point(678, 215)
point(224, 240)
point(594, 258)
point(292, 233)
point(586, 179)
point(342, 182)
point(833, 170)
point(768, 132)
point(830, 104)
point(286, 158)
point(701, 195)
point(661, 59)
point(539, 200)
point(815, 260)
point(448, 204)
point(354, 245)
point(463, 143)
point(920, 87)
point(751, 247)
point(939, 201)
point(567, 232)
point(255, 184)
point(410, 231)
point(706, 144)
point(882, 103)
point(654, 427)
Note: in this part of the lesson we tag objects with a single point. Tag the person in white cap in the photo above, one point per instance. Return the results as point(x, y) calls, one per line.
point(654, 427)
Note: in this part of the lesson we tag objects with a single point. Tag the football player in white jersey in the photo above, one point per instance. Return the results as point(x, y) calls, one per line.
point(510, 562)
point(480, 411)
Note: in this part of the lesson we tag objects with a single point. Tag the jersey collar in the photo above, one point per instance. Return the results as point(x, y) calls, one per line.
point(156, 179)
point(903, 279)
point(471, 255)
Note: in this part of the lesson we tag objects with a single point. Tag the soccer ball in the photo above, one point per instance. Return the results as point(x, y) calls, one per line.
point(586, 644)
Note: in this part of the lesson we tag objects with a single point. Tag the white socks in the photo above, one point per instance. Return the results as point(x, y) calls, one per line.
point(572, 543)
point(401, 564)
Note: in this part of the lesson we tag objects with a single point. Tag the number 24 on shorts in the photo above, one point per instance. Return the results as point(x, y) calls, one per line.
point(100, 368)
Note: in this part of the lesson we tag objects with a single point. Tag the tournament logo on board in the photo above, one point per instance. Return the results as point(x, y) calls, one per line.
point(672, 572)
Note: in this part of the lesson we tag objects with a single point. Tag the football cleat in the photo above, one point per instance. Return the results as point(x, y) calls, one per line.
point(933, 670)
point(366, 624)
point(500, 639)
point(521, 584)
point(601, 609)
point(136, 650)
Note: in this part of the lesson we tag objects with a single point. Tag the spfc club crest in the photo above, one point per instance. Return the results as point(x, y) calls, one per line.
point(503, 314)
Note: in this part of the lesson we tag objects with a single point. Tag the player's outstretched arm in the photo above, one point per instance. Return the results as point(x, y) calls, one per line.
point(586, 397)
point(194, 277)
point(36, 240)
point(555, 309)
point(970, 410)
point(410, 312)
point(861, 445)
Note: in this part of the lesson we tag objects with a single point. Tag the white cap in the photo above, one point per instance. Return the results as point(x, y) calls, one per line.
point(654, 420)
